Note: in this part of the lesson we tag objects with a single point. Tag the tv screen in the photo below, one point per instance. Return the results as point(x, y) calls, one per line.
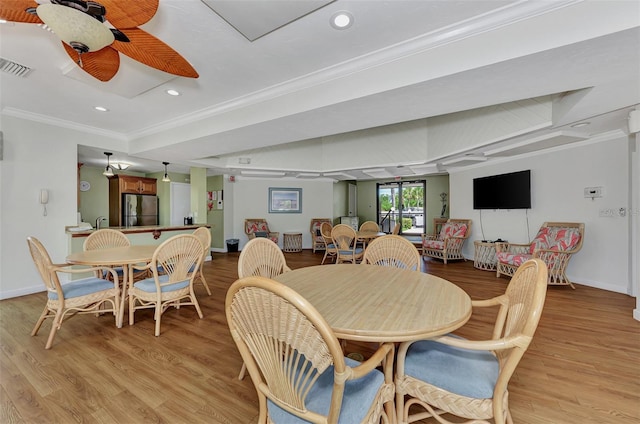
point(504, 191)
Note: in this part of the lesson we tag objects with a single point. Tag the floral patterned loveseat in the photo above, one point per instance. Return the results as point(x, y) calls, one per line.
point(555, 243)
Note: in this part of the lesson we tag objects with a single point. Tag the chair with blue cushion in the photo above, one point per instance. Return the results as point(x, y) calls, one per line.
point(469, 379)
point(260, 257)
point(92, 295)
point(330, 250)
point(392, 251)
point(296, 362)
point(104, 239)
point(180, 258)
point(344, 237)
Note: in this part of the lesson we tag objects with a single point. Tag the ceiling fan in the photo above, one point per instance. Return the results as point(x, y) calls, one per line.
point(93, 33)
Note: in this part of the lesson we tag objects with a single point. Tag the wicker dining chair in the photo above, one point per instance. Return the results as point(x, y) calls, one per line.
point(105, 239)
point(331, 250)
point(296, 362)
point(392, 251)
point(83, 296)
point(368, 226)
point(260, 257)
point(469, 379)
point(180, 258)
point(344, 237)
point(204, 235)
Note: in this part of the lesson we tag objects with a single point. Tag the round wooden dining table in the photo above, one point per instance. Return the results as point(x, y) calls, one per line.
point(381, 304)
point(116, 256)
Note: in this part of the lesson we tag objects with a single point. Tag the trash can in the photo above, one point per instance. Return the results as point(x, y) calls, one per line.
point(232, 245)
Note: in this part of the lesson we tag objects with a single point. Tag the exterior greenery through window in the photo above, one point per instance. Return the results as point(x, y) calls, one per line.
point(403, 202)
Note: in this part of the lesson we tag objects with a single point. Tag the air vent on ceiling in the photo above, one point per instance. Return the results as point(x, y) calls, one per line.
point(13, 68)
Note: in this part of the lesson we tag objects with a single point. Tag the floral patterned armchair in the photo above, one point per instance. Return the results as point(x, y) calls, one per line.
point(448, 243)
point(258, 227)
point(555, 243)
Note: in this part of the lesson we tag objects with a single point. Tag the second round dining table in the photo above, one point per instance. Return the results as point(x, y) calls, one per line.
point(116, 256)
point(381, 304)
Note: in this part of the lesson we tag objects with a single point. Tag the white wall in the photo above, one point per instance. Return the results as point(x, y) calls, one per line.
point(250, 200)
point(36, 156)
point(558, 178)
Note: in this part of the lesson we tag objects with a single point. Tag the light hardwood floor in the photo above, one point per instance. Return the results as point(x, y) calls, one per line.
point(582, 367)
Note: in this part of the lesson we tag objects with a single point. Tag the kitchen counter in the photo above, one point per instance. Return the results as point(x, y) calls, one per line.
point(141, 229)
point(153, 234)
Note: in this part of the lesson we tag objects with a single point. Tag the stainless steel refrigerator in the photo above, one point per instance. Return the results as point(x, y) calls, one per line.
point(139, 210)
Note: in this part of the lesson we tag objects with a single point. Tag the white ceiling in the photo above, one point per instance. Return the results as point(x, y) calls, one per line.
point(400, 61)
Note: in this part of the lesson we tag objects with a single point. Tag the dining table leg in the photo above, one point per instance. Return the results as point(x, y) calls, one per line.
point(127, 275)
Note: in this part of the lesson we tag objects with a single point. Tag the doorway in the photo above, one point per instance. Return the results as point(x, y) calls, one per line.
point(180, 195)
point(402, 202)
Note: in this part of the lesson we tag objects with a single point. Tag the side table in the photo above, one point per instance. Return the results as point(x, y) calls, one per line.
point(484, 256)
point(292, 242)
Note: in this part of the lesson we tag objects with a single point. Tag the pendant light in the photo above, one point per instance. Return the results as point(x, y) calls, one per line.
point(166, 178)
point(108, 172)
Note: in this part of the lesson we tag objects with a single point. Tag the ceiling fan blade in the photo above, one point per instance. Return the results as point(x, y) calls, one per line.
point(15, 11)
point(102, 64)
point(147, 49)
point(129, 14)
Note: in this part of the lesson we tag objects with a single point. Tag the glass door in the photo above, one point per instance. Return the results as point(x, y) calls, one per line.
point(402, 202)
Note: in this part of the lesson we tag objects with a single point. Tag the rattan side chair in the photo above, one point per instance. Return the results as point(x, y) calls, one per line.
point(179, 257)
point(104, 239)
point(393, 251)
point(469, 379)
point(330, 248)
point(204, 235)
point(83, 296)
point(296, 362)
point(344, 237)
point(260, 257)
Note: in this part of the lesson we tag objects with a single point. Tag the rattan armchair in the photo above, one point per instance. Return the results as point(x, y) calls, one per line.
point(258, 227)
point(296, 362)
point(469, 379)
point(447, 245)
point(180, 258)
point(83, 296)
point(393, 251)
point(260, 257)
point(555, 244)
point(344, 238)
point(317, 242)
point(204, 235)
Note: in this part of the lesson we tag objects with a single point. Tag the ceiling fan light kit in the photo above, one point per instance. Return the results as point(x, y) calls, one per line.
point(79, 30)
point(96, 46)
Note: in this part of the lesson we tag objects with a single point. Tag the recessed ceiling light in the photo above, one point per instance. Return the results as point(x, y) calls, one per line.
point(341, 20)
point(173, 92)
point(580, 124)
point(101, 109)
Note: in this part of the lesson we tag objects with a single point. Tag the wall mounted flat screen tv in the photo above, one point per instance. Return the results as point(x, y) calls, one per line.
point(504, 191)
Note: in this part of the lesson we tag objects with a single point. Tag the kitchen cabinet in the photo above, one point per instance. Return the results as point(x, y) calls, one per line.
point(126, 184)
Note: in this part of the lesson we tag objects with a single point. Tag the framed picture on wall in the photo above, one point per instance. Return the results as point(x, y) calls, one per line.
point(285, 200)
